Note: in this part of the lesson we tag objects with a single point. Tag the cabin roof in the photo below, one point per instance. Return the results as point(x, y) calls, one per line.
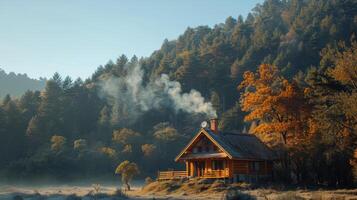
point(234, 145)
point(204, 155)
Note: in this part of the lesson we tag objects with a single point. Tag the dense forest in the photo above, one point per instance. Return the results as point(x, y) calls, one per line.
point(287, 73)
point(17, 84)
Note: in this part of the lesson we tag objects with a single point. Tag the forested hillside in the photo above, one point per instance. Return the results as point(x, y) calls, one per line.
point(17, 84)
point(144, 110)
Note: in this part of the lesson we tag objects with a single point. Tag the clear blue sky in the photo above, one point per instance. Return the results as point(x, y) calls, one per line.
point(41, 37)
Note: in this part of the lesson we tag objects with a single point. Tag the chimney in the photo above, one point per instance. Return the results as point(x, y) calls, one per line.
point(214, 125)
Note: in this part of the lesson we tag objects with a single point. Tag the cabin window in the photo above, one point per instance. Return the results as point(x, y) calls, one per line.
point(199, 149)
point(195, 150)
point(217, 164)
point(207, 149)
point(254, 166)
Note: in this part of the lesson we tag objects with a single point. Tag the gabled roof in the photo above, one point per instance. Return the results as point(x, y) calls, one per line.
point(204, 155)
point(236, 146)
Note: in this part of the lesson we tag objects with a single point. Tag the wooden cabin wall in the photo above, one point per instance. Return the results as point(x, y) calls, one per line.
point(266, 167)
point(240, 167)
point(246, 167)
point(262, 168)
point(269, 167)
point(230, 167)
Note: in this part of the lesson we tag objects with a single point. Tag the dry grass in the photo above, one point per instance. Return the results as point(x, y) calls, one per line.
point(180, 189)
point(289, 196)
point(96, 192)
point(206, 189)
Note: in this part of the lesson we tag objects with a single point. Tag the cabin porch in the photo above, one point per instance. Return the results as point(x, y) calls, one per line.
point(202, 168)
point(238, 170)
point(208, 168)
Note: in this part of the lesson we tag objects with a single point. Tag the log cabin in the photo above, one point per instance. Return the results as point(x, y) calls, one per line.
point(214, 154)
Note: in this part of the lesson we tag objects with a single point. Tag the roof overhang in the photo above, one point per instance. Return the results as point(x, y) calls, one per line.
point(201, 132)
point(203, 156)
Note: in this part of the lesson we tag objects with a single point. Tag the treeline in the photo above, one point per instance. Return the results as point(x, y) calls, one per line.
point(17, 84)
point(69, 129)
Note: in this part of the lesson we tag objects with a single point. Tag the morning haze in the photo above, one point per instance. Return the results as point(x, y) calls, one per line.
point(241, 101)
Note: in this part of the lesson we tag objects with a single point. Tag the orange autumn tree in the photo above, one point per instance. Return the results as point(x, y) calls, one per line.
point(282, 113)
point(277, 104)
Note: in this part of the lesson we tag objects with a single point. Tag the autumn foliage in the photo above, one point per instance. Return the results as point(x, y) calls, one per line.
point(277, 104)
point(309, 120)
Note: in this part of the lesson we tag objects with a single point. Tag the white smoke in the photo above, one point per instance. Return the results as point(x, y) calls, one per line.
point(127, 94)
point(191, 102)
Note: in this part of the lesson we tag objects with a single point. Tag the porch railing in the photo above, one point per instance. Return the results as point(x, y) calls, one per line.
point(167, 175)
point(216, 174)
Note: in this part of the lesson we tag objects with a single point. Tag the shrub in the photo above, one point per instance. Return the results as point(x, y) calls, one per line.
point(148, 149)
point(238, 195)
point(148, 180)
point(73, 197)
point(96, 188)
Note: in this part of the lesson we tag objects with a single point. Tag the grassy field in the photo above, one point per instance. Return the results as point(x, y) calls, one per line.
point(193, 189)
point(204, 189)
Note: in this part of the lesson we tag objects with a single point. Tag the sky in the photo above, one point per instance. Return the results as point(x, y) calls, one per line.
point(40, 37)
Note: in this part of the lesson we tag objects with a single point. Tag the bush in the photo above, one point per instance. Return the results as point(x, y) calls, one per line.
point(148, 180)
point(73, 197)
point(96, 188)
point(238, 195)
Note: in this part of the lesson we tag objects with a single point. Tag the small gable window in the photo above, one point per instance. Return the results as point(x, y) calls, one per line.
point(199, 149)
point(207, 148)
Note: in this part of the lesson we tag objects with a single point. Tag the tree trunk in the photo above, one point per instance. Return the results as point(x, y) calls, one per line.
point(127, 186)
point(286, 160)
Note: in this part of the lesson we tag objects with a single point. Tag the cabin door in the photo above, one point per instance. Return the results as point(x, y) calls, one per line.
point(200, 167)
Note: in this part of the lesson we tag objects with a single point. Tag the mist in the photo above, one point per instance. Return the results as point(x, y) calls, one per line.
point(130, 95)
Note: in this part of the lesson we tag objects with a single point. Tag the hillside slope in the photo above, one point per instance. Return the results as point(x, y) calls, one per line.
point(127, 110)
point(17, 84)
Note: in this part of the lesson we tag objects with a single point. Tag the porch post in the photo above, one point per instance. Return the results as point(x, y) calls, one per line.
point(206, 166)
point(187, 168)
point(191, 168)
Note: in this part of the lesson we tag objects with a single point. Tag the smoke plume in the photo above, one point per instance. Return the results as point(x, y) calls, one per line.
point(130, 97)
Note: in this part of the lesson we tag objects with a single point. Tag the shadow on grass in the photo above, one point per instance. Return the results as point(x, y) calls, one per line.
point(234, 194)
